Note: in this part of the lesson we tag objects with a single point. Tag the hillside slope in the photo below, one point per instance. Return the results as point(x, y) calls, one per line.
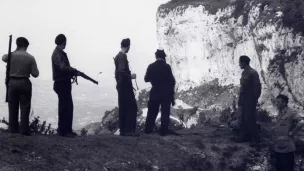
point(206, 148)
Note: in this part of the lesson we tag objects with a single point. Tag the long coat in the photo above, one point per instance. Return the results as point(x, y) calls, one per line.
point(250, 92)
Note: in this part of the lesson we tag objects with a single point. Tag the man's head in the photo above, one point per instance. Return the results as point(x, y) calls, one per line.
point(125, 44)
point(61, 41)
point(160, 54)
point(244, 61)
point(282, 101)
point(22, 43)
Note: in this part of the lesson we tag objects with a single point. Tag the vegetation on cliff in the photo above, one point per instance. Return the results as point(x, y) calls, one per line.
point(292, 10)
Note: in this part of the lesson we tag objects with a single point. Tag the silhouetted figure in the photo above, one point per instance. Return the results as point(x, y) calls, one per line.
point(126, 97)
point(288, 123)
point(250, 92)
point(160, 75)
point(22, 65)
point(62, 75)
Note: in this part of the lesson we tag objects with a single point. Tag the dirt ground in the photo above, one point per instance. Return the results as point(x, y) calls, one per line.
point(206, 148)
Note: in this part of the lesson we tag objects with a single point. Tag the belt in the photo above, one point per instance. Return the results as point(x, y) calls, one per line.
point(18, 78)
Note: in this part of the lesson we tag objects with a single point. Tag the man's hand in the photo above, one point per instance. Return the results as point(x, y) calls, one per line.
point(4, 58)
point(133, 76)
point(77, 73)
point(291, 133)
point(173, 102)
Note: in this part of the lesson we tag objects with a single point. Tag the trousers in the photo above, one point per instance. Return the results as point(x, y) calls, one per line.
point(285, 161)
point(65, 106)
point(19, 92)
point(153, 110)
point(127, 110)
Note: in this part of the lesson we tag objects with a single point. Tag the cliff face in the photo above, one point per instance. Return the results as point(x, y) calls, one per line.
point(204, 39)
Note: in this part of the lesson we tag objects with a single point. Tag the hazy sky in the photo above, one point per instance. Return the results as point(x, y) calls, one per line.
point(94, 30)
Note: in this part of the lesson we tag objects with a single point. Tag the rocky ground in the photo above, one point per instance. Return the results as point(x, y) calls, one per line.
point(205, 148)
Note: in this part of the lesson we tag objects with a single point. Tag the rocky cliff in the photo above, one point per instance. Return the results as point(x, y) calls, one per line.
point(204, 39)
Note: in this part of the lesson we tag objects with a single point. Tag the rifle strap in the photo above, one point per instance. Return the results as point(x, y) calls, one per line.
point(116, 68)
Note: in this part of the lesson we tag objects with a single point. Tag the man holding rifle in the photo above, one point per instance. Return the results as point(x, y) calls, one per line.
point(62, 75)
point(20, 65)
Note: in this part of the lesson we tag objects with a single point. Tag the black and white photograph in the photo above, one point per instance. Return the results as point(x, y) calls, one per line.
point(152, 85)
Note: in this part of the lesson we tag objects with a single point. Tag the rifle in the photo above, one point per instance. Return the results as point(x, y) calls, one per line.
point(83, 75)
point(8, 67)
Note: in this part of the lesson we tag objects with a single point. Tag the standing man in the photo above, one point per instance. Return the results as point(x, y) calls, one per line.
point(126, 98)
point(62, 75)
point(22, 65)
point(160, 75)
point(250, 92)
point(287, 124)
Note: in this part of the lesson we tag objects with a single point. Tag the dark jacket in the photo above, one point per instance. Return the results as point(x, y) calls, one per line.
point(61, 66)
point(160, 75)
point(122, 72)
point(250, 89)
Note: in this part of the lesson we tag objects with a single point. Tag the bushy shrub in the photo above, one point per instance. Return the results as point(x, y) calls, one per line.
point(83, 132)
point(35, 126)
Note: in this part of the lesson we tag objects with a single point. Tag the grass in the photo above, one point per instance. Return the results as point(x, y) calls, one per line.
point(109, 152)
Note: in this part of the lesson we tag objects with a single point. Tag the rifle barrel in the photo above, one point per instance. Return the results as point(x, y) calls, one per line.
point(83, 75)
point(8, 67)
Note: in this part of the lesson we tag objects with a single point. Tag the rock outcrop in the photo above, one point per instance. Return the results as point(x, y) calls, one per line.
point(204, 39)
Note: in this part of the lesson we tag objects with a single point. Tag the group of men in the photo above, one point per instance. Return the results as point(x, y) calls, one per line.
point(161, 77)
point(287, 123)
point(159, 74)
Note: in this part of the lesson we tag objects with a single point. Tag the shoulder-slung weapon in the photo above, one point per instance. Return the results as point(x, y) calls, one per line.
point(8, 67)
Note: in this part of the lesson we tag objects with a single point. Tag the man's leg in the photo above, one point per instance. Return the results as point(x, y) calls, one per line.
point(253, 129)
point(248, 125)
point(62, 108)
point(25, 106)
point(13, 106)
point(279, 162)
point(153, 109)
point(132, 113)
point(165, 116)
point(285, 161)
point(121, 112)
point(289, 161)
point(70, 109)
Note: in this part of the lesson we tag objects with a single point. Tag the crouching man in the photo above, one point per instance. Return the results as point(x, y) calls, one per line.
point(287, 124)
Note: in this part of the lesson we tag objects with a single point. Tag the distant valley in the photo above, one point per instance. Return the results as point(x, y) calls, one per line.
point(90, 102)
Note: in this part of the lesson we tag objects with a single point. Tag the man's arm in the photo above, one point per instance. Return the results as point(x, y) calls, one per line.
point(4, 58)
point(171, 77)
point(172, 84)
point(299, 121)
point(257, 85)
point(34, 69)
point(148, 73)
point(58, 60)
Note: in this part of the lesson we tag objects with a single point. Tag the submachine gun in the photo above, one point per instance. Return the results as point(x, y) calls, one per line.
point(83, 75)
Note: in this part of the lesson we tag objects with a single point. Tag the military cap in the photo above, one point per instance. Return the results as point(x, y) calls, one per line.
point(22, 41)
point(245, 59)
point(60, 39)
point(125, 42)
point(160, 53)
